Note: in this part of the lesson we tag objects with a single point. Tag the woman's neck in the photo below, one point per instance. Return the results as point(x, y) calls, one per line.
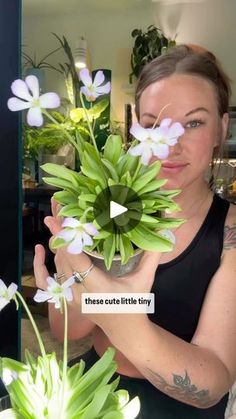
point(193, 200)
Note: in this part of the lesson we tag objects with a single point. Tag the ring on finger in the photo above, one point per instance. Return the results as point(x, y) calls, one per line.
point(58, 277)
point(79, 277)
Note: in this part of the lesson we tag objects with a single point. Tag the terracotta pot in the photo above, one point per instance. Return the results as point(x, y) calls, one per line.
point(117, 269)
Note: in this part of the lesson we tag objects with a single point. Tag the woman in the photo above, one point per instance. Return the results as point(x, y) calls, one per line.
point(180, 360)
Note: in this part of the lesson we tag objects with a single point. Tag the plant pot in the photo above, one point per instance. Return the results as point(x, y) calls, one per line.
point(117, 269)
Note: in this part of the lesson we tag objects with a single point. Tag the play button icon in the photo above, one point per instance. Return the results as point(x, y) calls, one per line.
point(117, 209)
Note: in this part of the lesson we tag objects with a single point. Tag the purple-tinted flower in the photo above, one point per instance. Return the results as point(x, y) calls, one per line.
point(77, 234)
point(93, 89)
point(55, 292)
point(6, 294)
point(155, 141)
point(28, 97)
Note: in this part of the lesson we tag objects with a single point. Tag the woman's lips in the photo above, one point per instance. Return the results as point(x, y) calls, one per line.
point(173, 167)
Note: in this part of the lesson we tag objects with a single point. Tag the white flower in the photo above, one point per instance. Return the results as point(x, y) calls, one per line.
point(77, 234)
point(6, 294)
point(8, 376)
point(155, 141)
point(93, 89)
point(28, 97)
point(55, 292)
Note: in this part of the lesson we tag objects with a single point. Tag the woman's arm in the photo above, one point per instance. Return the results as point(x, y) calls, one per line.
point(197, 373)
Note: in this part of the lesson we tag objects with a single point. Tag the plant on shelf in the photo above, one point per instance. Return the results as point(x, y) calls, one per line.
point(147, 45)
point(86, 194)
point(45, 388)
point(33, 62)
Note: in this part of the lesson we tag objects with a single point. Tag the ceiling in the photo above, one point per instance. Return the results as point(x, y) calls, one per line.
point(52, 7)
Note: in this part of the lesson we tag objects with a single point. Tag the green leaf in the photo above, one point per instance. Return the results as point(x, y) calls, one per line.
point(61, 172)
point(113, 148)
point(152, 186)
point(60, 183)
point(65, 197)
point(147, 176)
point(146, 239)
point(98, 108)
point(109, 248)
point(57, 242)
point(112, 169)
point(97, 403)
point(126, 249)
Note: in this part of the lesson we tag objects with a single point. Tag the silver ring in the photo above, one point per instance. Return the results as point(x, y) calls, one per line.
point(79, 277)
point(58, 277)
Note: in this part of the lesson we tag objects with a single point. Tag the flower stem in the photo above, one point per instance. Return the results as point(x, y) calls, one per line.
point(70, 138)
point(65, 350)
point(88, 122)
point(41, 345)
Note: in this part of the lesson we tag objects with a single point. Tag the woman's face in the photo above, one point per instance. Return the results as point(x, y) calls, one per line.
point(191, 101)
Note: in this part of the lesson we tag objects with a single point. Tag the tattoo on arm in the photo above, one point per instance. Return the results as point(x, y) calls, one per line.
point(230, 237)
point(182, 389)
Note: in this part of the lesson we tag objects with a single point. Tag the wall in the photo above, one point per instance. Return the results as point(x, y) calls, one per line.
point(210, 23)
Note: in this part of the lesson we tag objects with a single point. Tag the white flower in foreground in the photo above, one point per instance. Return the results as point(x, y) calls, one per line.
point(93, 89)
point(55, 292)
point(28, 97)
point(8, 376)
point(77, 234)
point(6, 294)
point(155, 141)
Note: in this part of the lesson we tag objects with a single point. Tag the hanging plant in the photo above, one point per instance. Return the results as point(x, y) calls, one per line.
point(147, 46)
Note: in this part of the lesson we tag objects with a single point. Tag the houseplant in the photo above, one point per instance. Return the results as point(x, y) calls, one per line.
point(45, 388)
point(36, 67)
point(86, 194)
point(147, 45)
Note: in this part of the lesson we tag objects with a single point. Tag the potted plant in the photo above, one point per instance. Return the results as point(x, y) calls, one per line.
point(46, 388)
point(36, 67)
point(110, 175)
point(147, 45)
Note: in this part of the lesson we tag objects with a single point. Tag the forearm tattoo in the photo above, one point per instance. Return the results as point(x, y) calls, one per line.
point(230, 237)
point(182, 389)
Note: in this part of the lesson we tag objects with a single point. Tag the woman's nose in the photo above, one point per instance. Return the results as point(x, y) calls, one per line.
point(175, 149)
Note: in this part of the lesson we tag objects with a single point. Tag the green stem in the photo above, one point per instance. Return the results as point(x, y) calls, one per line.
point(41, 345)
point(70, 138)
point(88, 122)
point(65, 350)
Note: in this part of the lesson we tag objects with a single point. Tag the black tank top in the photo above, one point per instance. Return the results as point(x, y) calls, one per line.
point(181, 284)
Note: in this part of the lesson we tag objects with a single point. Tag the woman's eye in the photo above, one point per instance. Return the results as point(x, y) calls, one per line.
point(194, 124)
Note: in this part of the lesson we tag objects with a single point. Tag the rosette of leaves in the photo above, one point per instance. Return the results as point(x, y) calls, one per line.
point(114, 166)
point(147, 45)
point(89, 395)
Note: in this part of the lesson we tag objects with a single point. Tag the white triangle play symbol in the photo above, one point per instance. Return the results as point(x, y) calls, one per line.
point(116, 209)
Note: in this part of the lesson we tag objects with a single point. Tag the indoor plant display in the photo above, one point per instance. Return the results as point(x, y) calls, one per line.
point(45, 388)
point(109, 175)
point(147, 45)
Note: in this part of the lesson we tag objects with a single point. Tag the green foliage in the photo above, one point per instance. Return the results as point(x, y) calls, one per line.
point(50, 138)
point(147, 45)
point(88, 394)
point(42, 63)
point(114, 166)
